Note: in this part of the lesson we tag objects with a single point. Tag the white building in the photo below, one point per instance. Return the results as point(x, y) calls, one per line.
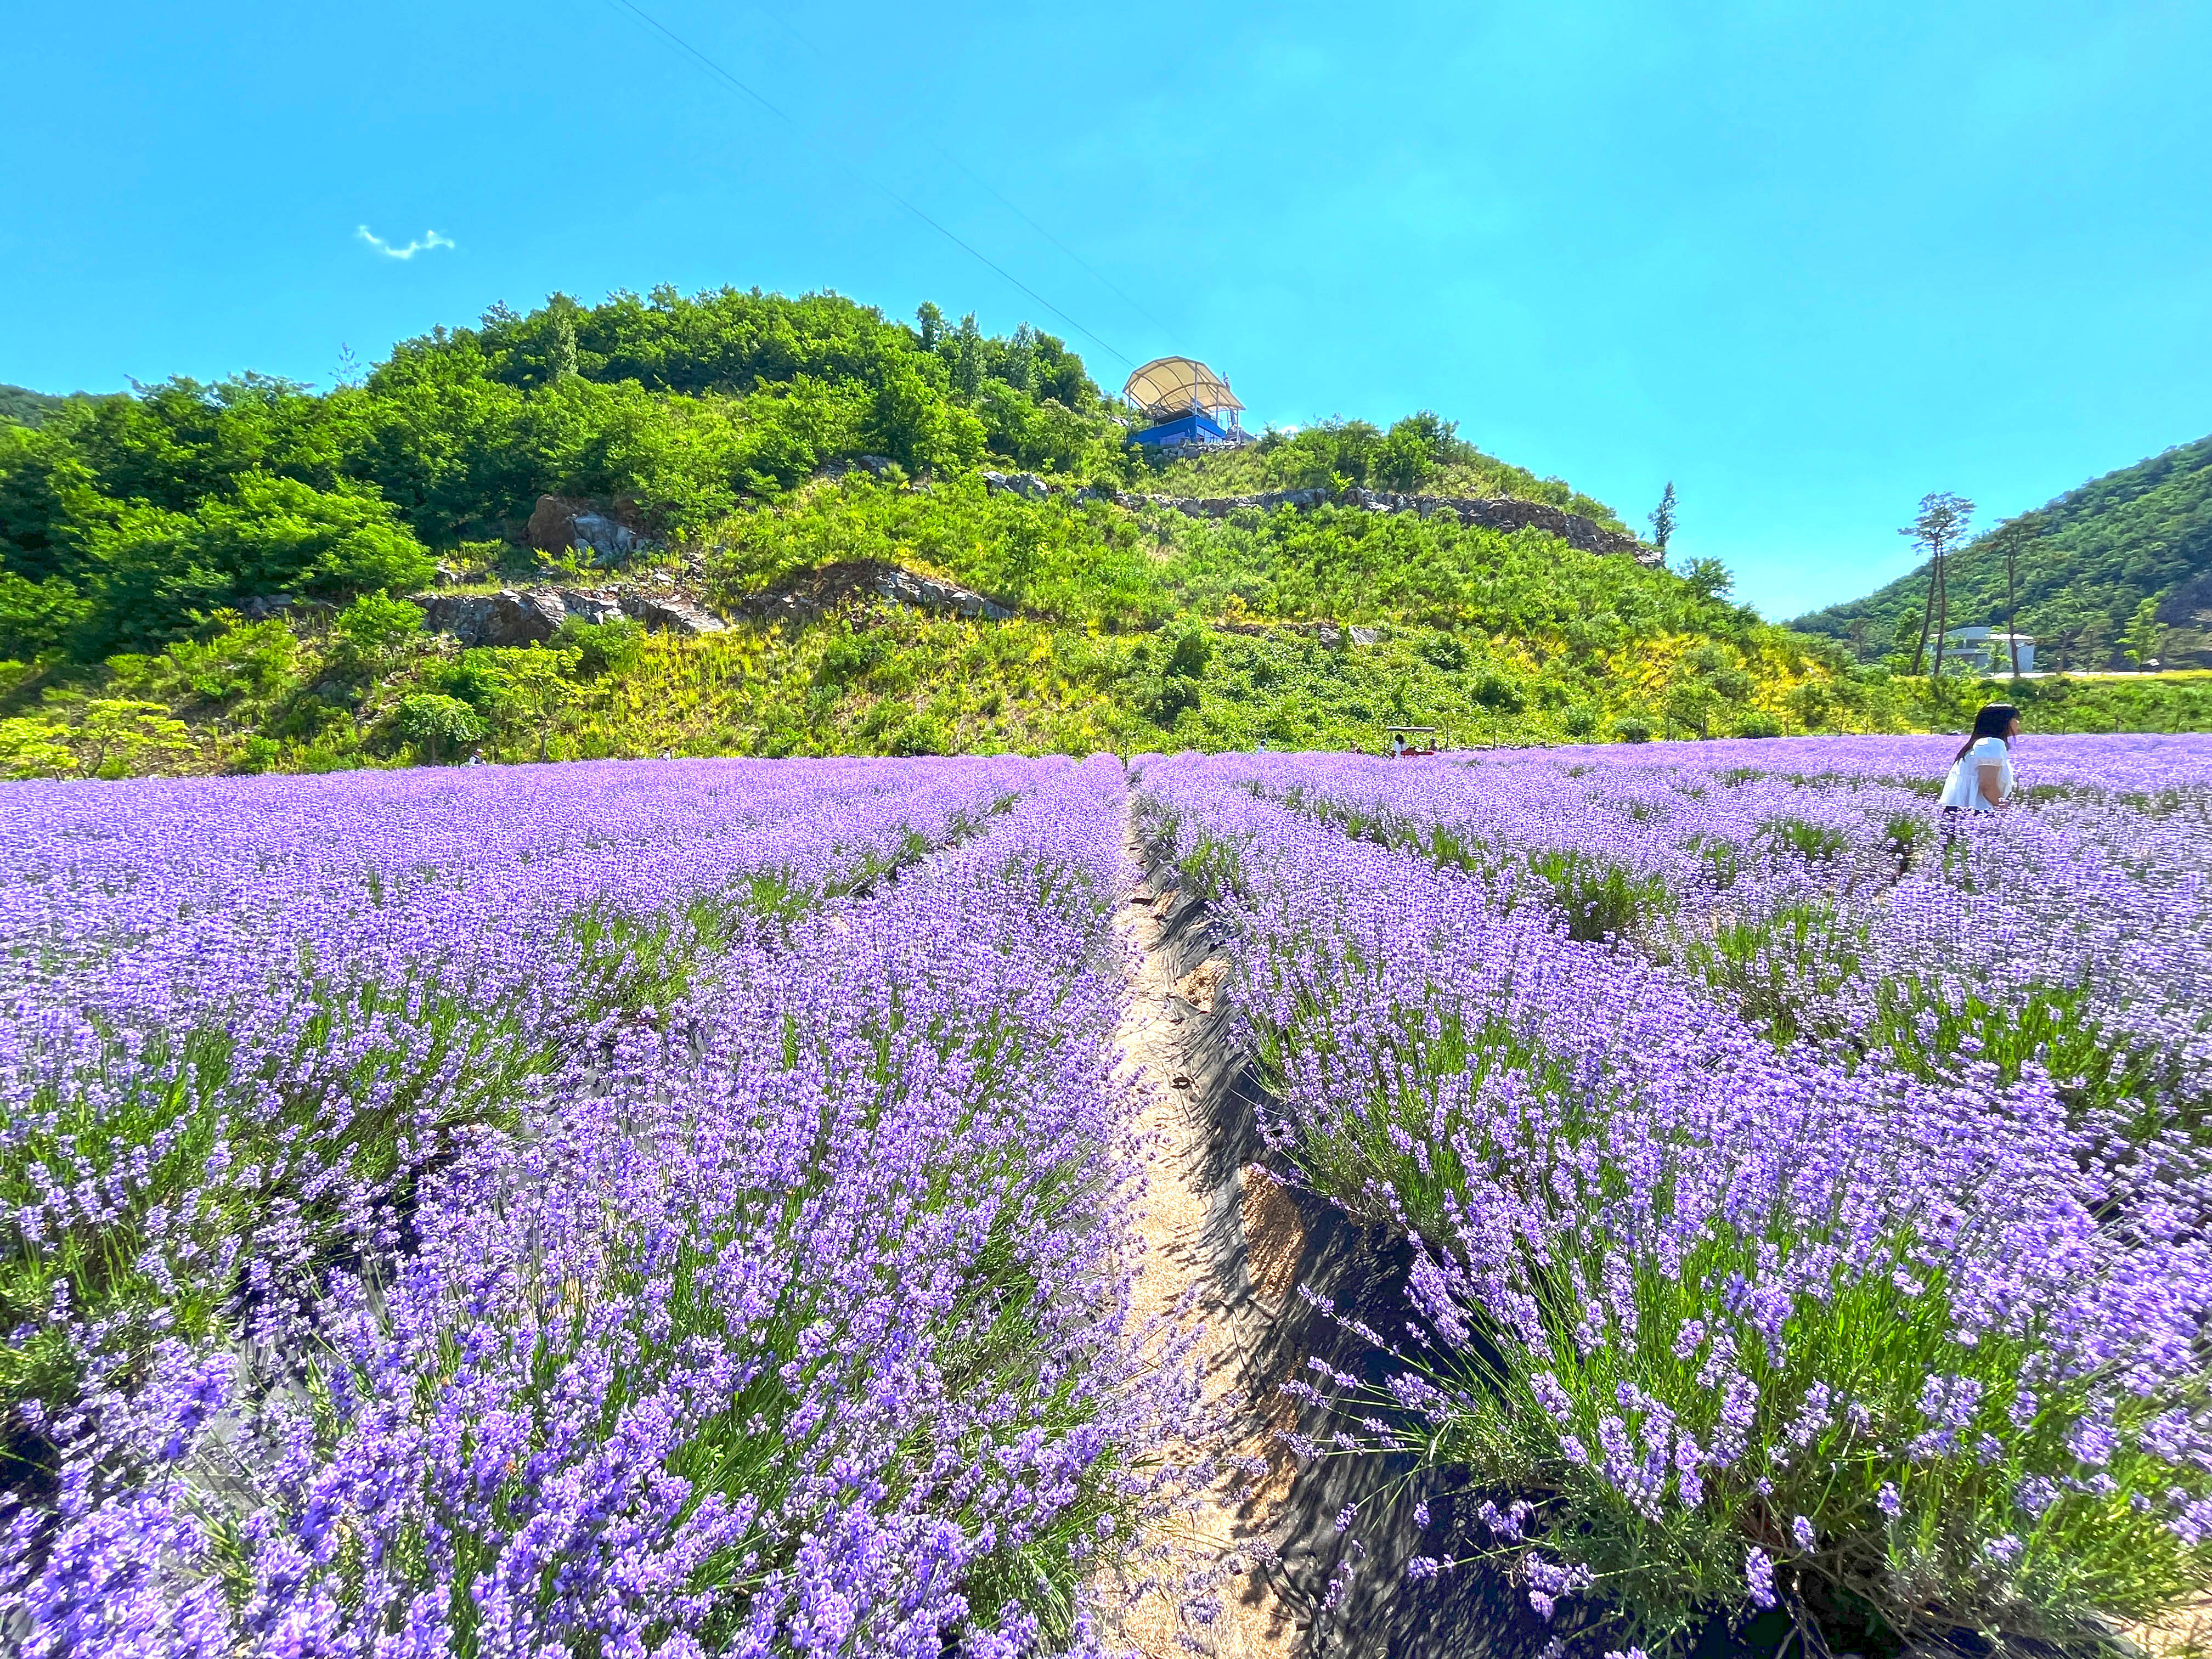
point(1988, 650)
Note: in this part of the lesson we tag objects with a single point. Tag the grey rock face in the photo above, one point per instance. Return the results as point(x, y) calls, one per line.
point(557, 525)
point(503, 618)
point(590, 607)
point(607, 541)
point(671, 611)
point(928, 594)
point(1027, 485)
point(1366, 635)
point(510, 618)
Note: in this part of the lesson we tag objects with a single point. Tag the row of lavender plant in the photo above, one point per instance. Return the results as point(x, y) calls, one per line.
point(1702, 1323)
point(1818, 896)
point(796, 1320)
point(244, 1017)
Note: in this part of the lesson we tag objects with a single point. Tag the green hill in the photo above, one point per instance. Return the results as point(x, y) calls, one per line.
point(1422, 452)
point(761, 450)
point(27, 408)
point(2141, 533)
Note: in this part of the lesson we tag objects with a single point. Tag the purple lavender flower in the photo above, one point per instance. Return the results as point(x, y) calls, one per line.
point(1759, 1576)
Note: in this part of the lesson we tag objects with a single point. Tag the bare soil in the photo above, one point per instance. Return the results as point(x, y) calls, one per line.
point(1211, 1591)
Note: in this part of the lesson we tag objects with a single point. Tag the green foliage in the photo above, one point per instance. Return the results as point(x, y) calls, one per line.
point(242, 659)
point(2090, 559)
point(611, 647)
point(143, 521)
point(26, 407)
point(1191, 654)
point(438, 724)
point(2145, 632)
point(124, 519)
point(2179, 700)
point(1421, 453)
point(152, 569)
point(31, 747)
point(1709, 578)
point(539, 681)
point(1662, 520)
point(376, 629)
point(38, 617)
point(100, 736)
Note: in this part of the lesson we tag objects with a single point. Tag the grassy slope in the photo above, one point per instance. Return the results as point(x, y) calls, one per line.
point(1135, 632)
point(2143, 532)
point(1499, 637)
point(1268, 465)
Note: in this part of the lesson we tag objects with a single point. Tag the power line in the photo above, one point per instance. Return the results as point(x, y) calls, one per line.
point(1012, 207)
point(716, 70)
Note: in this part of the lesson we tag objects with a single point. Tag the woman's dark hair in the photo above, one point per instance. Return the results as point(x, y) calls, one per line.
point(1994, 721)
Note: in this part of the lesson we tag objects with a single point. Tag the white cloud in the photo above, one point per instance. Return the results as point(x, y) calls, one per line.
point(429, 240)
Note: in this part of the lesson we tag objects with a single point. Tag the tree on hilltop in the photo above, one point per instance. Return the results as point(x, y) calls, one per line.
point(1662, 520)
point(1938, 529)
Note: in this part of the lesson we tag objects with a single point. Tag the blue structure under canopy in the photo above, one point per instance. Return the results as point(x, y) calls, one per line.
point(1189, 406)
point(1192, 427)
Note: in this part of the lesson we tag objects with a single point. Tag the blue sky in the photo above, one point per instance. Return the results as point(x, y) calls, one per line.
point(1808, 262)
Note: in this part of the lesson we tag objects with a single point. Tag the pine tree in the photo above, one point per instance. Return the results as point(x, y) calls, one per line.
point(1940, 526)
point(1662, 520)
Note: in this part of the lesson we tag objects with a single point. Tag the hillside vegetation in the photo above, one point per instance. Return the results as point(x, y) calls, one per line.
point(137, 533)
point(1421, 453)
point(26, 407)
point(2082, 574)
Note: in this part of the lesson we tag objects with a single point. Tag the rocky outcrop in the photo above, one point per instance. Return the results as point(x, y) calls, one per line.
point(1027, 485)
point(595, 608)
point(833, 587)
point(669, 610)
point(505, 618)
point(608, 535)
point(928, 594)
point(511, 618)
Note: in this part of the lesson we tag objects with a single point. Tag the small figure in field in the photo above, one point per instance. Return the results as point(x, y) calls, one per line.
point(1981, 777)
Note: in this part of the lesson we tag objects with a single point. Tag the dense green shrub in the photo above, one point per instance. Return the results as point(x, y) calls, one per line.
point(125, 520)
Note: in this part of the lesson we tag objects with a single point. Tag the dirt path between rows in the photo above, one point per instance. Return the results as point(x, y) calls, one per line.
point(1210, 1589)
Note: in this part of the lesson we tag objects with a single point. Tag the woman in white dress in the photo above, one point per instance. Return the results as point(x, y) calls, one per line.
point(1981, 777)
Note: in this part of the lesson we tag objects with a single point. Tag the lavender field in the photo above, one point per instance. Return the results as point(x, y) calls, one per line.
point(693, 1207)
point(1809, 1206)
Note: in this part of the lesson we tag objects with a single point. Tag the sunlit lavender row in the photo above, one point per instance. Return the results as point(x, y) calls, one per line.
point(689, 1207)
point(1809, 1193)
point(620, 1208)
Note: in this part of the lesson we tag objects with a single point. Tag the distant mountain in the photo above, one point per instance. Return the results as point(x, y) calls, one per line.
point(2144, 532)
point(26, 407)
